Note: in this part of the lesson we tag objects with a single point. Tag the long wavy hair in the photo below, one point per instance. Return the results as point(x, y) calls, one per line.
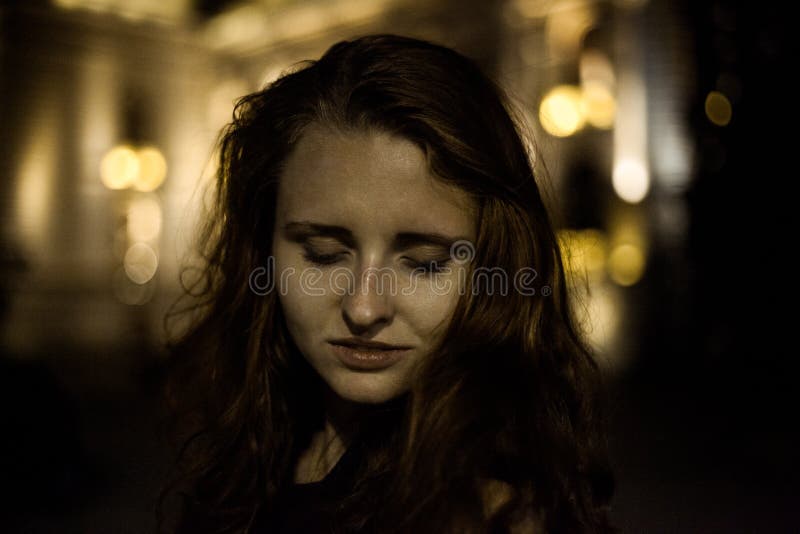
point(513, 391)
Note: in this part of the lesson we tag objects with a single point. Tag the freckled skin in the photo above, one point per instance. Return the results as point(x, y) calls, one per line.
point(375, 185)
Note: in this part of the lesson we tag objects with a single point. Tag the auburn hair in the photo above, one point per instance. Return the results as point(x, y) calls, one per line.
point(511, 395)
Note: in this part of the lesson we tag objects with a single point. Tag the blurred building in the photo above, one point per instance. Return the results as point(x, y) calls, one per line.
point(114, 109)
point(639, 116)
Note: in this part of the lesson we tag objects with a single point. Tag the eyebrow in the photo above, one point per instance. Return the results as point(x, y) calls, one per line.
point(402, 240)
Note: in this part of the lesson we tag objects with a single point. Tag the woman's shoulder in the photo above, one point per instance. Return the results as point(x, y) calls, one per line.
point(495, 494)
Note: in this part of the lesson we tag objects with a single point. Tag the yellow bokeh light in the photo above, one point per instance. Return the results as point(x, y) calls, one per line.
point(566, 26)
point(599, 105)
point(583, 251)
point(152, 169)
point(631, 180)
point(144, 218)
point(561, 111)
point(140, 263)
point(626, 264)
point(119, 168)
point(566, 240)
point(595, 67)
point(593, 244)
point(123, 166)
point(718, 108)
point(597, 309)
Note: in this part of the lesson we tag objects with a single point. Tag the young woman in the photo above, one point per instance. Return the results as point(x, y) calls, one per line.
point(381, 340)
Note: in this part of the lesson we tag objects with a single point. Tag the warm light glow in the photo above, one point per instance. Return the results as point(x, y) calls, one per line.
point(134, 10)
point(152, 169)
point(718, 108)
point(595, 67)
point(631, 166)
point(560, 111)
point(597, 313)
point(143, 169)
point(627, 226)
point(119, 168)
point(37, 171)
point(531, 9)
point(144, 218)
point(301, 20)
point(566, 25)
point(222, 100)
point(593, 244)
point(241, 24)
point(631, 180)
point(599, 105)
point(583, 251)
point(626, 264)
point(672, 155)
point(250, 26)
point(140, 263)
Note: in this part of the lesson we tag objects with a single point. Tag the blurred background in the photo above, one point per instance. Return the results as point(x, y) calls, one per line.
point(665, 130)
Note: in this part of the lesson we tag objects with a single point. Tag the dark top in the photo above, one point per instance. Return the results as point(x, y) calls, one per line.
point(309, 507)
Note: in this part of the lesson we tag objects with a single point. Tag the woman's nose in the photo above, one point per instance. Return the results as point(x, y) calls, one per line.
point(370, 300)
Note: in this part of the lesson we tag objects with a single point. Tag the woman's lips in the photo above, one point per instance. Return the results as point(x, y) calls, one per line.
point(367, 359)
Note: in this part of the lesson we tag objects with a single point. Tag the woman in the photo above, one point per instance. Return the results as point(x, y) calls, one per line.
point(381, 341)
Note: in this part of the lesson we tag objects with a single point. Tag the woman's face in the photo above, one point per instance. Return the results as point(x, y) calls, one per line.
point(359, 221)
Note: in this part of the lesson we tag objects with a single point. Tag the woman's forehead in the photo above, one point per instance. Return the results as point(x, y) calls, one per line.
point(369, 178)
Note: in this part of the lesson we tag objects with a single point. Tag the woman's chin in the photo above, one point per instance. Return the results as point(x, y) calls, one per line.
point(367, 390)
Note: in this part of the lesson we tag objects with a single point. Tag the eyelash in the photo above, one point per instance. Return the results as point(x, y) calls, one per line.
point(428, 267)
point(320, 259)
point(431, 267)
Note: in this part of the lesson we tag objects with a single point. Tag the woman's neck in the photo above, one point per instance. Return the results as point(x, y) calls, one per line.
point(330, 442)
point(341, 416)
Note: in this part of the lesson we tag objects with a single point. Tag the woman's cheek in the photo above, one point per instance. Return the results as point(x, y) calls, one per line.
point(432, 305)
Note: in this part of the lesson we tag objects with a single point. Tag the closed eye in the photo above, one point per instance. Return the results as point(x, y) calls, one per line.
point(321, 259)
point(429, 267)
point(420, 267)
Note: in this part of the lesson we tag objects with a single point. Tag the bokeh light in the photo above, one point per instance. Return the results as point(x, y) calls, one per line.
point(152, 169)
point(124, 166)
point(583, 251)
point(140, 263)
point(598, 310)
point(144, 218)
point(561, 111)
point(119, 168)
point(599, 105)
point(566, 26)
point(595, 67)
point(631, 180)
point(718, 108)
point(626, 264)
point(133, 10)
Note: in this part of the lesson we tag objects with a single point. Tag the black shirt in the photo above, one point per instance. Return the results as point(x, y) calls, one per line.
point(309, 507)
